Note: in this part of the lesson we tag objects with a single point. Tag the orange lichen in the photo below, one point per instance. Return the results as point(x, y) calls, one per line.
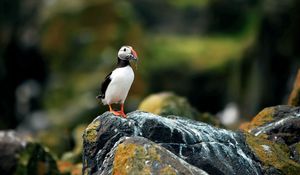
point(132, 159)
point(266, 115)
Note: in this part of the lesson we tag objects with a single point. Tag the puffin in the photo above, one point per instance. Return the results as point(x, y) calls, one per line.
point(115, 87)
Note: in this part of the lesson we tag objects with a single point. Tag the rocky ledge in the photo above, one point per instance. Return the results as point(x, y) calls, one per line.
point(152, 144)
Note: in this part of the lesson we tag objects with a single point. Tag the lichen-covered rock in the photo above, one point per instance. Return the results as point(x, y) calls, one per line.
point(272, 154)
point(294, 98)
point(295, 151)
point(216, 151)
point(167, 103)
point(278, 123)
point(133, 155)
point(263, 117)
point(19, 156)
point(274, 139)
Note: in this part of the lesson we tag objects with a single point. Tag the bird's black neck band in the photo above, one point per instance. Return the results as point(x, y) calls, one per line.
point(122, 63)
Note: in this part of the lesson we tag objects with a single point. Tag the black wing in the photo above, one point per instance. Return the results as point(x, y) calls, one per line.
point(104, 86)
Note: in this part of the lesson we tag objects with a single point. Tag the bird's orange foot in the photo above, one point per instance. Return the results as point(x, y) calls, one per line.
point(119, 113)
point(122, 114)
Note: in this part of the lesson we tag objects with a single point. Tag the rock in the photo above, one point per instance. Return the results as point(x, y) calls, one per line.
point(294, 98)
point(278, 123)
point(263, 117)
point(167, 103)
point(272, 154)
point(208, 149)
point(274, 138)
point(295, 150)
point(19, 156)
point(133, 155)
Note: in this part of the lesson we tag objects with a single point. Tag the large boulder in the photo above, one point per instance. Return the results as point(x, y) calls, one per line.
point(168, 103)
point(20, 156)
point(111, 141)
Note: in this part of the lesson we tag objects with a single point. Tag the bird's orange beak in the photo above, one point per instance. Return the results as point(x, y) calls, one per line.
point(134, 54)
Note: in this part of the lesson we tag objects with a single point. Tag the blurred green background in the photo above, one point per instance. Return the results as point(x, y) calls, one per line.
point(54, 55)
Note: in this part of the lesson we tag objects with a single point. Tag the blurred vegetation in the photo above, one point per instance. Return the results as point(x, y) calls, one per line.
point(211, 52)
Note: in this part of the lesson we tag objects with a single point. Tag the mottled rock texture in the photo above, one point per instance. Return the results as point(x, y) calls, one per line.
point(278, 123)
point(274, 137)
point(19, 156)
point(134, 155)
point(145, 136)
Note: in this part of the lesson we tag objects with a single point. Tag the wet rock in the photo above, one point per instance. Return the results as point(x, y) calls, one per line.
point(167, 103)
point(278, 123)
point(213, 150)
point(19, 156)
point(294, 98)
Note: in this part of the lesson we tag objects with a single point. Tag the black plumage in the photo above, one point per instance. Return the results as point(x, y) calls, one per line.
point(104, 85)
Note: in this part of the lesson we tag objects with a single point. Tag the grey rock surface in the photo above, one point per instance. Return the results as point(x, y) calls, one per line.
point(213, 150)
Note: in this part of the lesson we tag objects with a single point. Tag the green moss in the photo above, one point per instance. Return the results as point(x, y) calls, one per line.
point(91, 132)
point(272, 154)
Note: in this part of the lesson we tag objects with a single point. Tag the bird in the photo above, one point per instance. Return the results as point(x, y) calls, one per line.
point(116, 85)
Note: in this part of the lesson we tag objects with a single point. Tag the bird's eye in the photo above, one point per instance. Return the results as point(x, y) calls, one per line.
point(124, 49)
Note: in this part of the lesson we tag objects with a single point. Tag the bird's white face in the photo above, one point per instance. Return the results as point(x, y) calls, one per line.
point(127, 53)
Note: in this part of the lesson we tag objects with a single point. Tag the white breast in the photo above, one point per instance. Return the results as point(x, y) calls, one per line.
point(117, 90)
